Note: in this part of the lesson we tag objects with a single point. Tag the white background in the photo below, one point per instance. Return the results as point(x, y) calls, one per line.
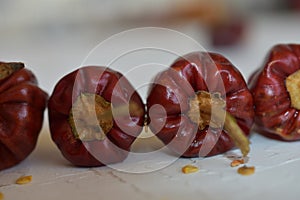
point(53, 38)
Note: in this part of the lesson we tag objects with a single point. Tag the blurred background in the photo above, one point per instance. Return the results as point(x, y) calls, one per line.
point(52, 37)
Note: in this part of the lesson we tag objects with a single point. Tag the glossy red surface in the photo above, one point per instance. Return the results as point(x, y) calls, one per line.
point(109, 84)
point(172, 90)
point(274, 115)
point(22, 105)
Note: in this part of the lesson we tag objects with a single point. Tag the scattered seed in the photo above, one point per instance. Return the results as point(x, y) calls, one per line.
point(24, 180)
point(236, 163)
point(189, 169)
point(246, 171)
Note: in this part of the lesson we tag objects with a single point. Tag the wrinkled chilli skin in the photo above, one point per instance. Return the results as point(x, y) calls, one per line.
point(22, 105)
point(274, 115)
point(107, 83)
point(170, 90)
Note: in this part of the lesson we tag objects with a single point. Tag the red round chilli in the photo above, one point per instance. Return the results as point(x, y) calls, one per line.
point(22, 105)
point(87, 116)
point(276, 93)
point(194, 84)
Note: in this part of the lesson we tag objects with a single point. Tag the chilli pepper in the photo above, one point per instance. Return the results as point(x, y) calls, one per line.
point(228, 33)
point(276, 92)
point(201, 106)
point(95, 115)
point(22, 105)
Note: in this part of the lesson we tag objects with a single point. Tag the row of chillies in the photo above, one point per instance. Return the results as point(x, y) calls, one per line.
point(200, 106)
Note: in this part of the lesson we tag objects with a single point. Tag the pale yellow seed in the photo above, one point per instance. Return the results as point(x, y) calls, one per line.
point(246, 171)
point(189, 169)
point(1, 196)
point(24, 180)
point(236, 163)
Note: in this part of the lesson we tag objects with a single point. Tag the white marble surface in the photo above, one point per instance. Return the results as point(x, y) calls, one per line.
point(55, 52)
